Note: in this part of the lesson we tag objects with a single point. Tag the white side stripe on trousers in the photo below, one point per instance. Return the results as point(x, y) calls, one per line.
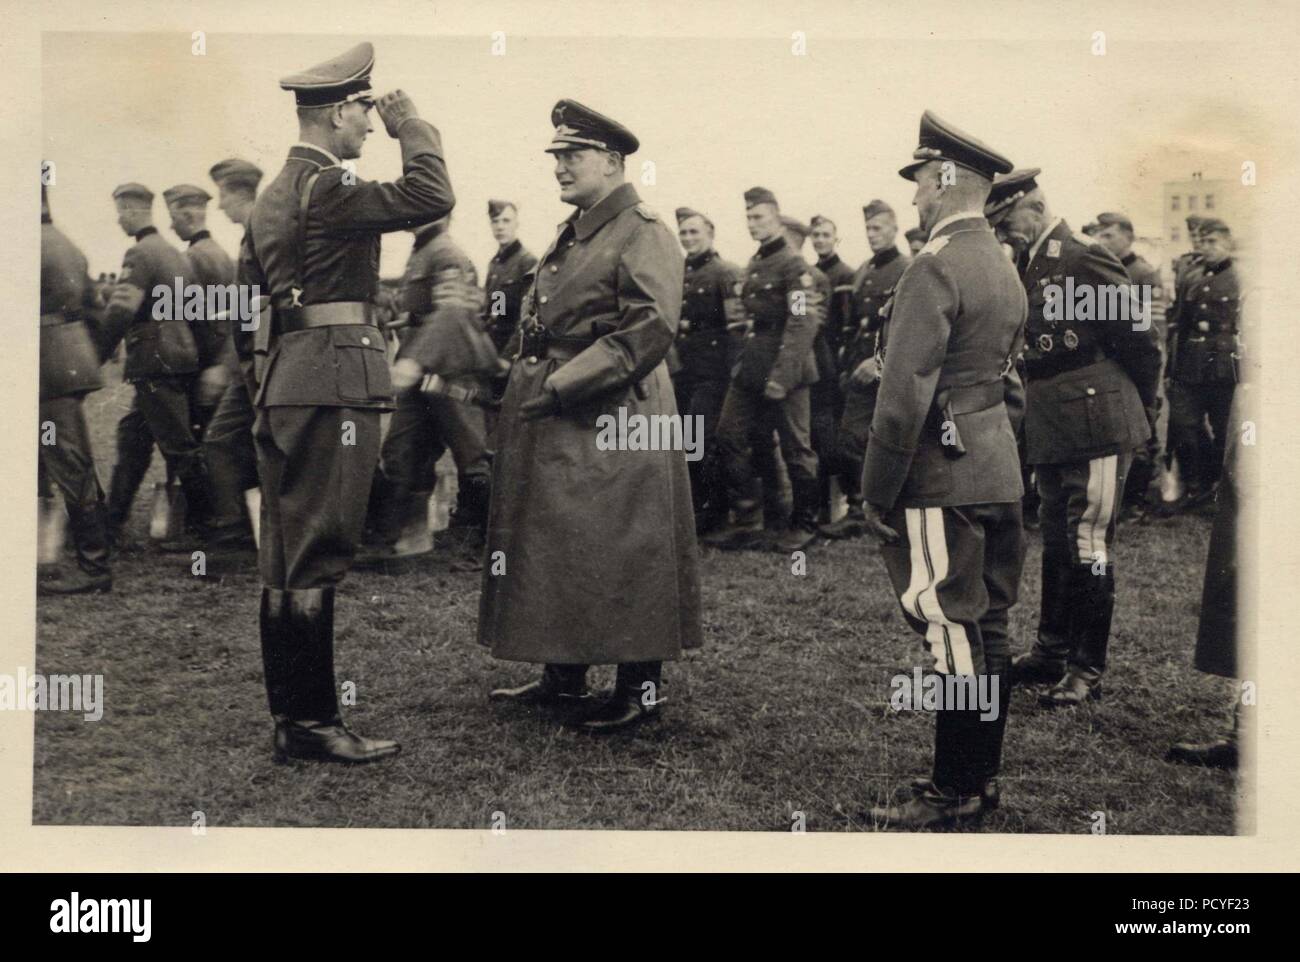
point(1097, 513)
point(947, 640)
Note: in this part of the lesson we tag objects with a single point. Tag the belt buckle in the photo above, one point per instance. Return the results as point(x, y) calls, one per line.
point(532, 344)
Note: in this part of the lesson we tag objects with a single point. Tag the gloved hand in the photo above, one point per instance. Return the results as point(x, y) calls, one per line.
point(395, 107)
point(406, 373)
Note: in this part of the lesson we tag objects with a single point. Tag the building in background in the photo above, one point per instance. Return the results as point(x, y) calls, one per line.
point(1225, 199)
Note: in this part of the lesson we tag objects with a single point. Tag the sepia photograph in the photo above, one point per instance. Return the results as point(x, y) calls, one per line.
point(845, 420)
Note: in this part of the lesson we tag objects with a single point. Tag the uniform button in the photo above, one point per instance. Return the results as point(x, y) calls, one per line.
point(532, 359)
point(1091, 391)
point(554, 268)
point(700, 290)
point(365, 340)
point(542, 298)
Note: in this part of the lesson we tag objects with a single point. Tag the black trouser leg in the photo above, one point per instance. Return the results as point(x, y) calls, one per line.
point(231, 458)
point(566, 679)
point(134, 452)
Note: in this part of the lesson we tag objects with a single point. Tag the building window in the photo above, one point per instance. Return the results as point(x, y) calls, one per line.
point(1209, 202)
point(1191, 202)
point(1173, 202)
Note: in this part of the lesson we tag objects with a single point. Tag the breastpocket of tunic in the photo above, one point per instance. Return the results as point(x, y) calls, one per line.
point(360, 364)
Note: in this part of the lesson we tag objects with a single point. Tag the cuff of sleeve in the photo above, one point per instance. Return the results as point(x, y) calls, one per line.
point(884, 471)
point(418, 138)
point(570, 380)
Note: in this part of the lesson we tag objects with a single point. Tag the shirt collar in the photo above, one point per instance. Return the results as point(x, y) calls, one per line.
point(1043, 237)
point(952, 219)
point(314, 154)
point(504, 254)
point(827, 262)
point(699, 259)
point(885, 256)
point(771, 245)
point(198, 236)
point(425, 235)
point(144, 232)
point(606, 209)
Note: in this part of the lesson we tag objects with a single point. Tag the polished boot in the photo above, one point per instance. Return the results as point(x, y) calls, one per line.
point(1045, 663)
point(745, 527)
point(852, 525)
point(1078, 686)
point(123, 484)
point(1094, 607)
point(802, 530)
point(298, 655)
point(561, 686)
point(636, 699)
point(957, 789)
point(473, 495)
point(76, 582)
point(930, 808)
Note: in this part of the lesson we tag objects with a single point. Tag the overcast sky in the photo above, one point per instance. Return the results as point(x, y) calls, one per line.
point(826, 131)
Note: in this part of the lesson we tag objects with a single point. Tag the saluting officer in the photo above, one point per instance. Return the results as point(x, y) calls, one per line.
point(707, 349)
point(314, 236)
point(69, 371)
point(228, 440)
point(1090, 401)
point(1206, 338)
point(769, 386)
point(210, 267)
point(591, 555)
point(872, 286)
point(941, 480)
point(161, 362)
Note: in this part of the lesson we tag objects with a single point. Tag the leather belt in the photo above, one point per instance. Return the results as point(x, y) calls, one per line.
point(329, 314)
point(1065, 361)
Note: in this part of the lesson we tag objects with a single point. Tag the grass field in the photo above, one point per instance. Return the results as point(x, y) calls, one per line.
point(784, 710)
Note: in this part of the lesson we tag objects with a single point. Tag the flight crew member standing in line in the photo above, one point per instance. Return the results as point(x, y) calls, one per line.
point(228, 440)
point(314, 236)
point(707, 350)
point(591, 555)
point(161, 362)
point(769, 385)
point(827, 395)
point(1090, 401)
point(69, 371)
point(941, 480)
point(872, 287)
point(1205, 333)
point(508, 276)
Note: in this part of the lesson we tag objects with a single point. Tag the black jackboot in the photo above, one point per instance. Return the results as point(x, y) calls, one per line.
point(1093, 597)
point(561, 686)
point(955, 792)
point(1045, 663)
point(802, 530)
point(636, 699)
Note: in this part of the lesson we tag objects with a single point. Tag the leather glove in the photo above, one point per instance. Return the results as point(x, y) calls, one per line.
point(406, 373)
point(866, 373)
point(773, 391)
point(875, 524)
point(395, 108)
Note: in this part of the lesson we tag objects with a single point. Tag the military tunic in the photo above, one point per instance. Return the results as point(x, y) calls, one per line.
point(508, 276)
point(326, 379)
point(1147, 279)
point(591, 554)
point(941, 460)
point(69, 369)
point(1203, 369)
point(1091, 384)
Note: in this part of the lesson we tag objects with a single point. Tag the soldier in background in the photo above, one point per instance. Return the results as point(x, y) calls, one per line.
point(827, 394)
point(162, 360)
point(707, 350)
point(69, 370)
point(1090, 401)
point(872, 287)
point(915, 240)
point(228, 440)
point(210, 267)
point(1205, 336)
point(508, 275)
point(1115, 233)
point(941, 479)
point(323, 378)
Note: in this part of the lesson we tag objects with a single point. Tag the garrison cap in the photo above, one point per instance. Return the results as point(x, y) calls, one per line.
point(685, 213)
point(794, 224)
point(1090, 229)
point(339, 81)
point(916, 233)
point(1212, 225)
point(875, 208)
point(186, 195)
point(495, 207)
point(236, 173)
point(759, 195)
point(1113, 218)
point(1009, 188)
point(1194, 223)
point(818, 220)
point(939, 140)
point(133, 191)
point(578, 126)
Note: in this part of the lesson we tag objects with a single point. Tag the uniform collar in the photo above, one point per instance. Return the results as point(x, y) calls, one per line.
point(1218, 268)
point(1057, 225)
point(772, 245)
point(699, 260)
point(422, 237)
point(1128, 258)
point(198, 236)
point(826, 263)
point(952, 219)
point(144, 232)
point(504, 254)
point(885, 256)
point(610, 206)
point(314, 155)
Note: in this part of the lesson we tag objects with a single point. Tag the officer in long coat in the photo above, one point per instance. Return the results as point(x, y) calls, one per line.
point(591, 554)
point(69, 371)
point(1090, 402)
point(162, 360)
point(315, 236)
point(941, 479)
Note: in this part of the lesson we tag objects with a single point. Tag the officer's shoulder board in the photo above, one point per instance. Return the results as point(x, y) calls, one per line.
point(935, 244)
point(646, 212)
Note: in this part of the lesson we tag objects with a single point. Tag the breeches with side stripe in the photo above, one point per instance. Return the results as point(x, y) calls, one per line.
point(956, 573)
point(1079, 507)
